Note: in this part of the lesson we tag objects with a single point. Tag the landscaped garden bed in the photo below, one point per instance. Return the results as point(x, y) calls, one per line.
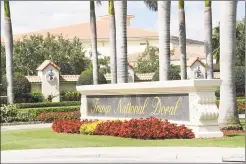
point(44, 112)
point(95, 133)
point(52, 116)
point(240, 105)
point(144, 128)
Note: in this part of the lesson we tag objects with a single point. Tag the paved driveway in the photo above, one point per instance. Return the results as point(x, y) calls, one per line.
point(125, 154)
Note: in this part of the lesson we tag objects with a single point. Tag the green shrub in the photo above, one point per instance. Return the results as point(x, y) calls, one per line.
point(36, 111)
point(52, 116)
point(21, 87)
point(47, 104)
point(217, 92)
point(241, 98)
point(8, 113)
point(31, 98)
point(89, 128)
point(239, 101)
point(240, 105)
point(240, 81)
point(24, 117)
point(173, 74)
point(70, 96)
point(86, 78)
point(36, 97)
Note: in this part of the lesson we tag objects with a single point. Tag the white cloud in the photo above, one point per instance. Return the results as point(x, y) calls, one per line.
point(36, 15)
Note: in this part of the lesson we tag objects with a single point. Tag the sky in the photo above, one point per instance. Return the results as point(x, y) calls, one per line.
point(28, 16)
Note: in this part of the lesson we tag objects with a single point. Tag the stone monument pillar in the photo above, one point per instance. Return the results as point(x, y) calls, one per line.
point(49, 75)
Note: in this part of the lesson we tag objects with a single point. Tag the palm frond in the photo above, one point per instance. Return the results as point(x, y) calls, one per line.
point(6, 9)
point(151, 4)
point(99, 3)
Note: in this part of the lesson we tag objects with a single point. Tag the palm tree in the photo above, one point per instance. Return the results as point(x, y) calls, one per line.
point(9, 51)
point(228, 114)
point(163, 8)
point(93, 27)
point(112, 42)
point(208, 39)
point(121, 37)
point(216, 44)
point(182, 40)
point(164, 38)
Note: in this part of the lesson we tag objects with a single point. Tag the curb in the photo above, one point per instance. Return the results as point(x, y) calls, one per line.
point(238, 158)
point(127, 155)
point(22, 123)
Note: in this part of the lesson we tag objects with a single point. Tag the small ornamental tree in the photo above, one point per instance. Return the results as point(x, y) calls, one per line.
point(173, 74)
point(21, 87)
point(148, 61)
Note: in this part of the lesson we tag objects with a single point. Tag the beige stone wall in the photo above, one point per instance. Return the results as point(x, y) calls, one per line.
point(67, 86)
point(64, 86)
point(36, 87)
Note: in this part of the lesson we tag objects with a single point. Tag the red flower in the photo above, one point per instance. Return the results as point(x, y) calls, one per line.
point(148, 128)
point(67, 126)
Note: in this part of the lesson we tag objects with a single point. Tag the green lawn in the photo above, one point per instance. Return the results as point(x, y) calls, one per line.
point(45, 138)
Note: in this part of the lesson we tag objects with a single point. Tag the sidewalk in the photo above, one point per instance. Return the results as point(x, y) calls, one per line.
point(125, 154)
point(27, 126)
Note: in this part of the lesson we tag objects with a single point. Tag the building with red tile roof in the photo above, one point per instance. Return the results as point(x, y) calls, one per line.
point(137, 39)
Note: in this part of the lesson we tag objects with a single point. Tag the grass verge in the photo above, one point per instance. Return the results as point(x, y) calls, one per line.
point(46, 138)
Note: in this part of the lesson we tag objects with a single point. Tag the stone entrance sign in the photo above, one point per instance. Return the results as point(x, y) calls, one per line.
point(174, 107)
point(188, 102)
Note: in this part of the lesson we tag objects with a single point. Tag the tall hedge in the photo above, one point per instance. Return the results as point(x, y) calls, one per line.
point(239, 82)
point(173, 74)
point(86, 78)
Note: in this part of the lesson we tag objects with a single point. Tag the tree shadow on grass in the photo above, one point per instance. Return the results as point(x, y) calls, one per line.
point(234, 135)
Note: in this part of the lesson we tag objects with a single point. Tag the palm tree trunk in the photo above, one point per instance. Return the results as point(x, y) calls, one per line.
point(228, 114)
point(9, 51)
point(164, 39)
point(112, 42)
point(208, 39)
point(121, 37)
point(94, 42)
point(182, 40)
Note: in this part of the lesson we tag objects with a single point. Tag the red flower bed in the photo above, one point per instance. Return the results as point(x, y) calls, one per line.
point(149, 128)
point(67, 126)
point(51, 116)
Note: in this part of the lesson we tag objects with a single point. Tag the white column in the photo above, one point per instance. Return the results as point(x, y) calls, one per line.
point(83, 107)
point(204, 114)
